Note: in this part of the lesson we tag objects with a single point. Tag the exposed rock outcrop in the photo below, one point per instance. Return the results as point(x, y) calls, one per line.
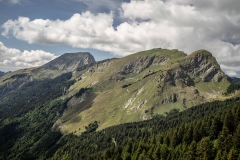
point(202, 64)
point(69, 62)
point(116, 78)
point(96, 65)
point(178, 77)
point(171, 98)
point(142, 63)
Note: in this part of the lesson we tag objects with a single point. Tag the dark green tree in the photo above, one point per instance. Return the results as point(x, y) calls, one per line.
point(215, 128)
point(205, 149)
point(191, 154)
point(233, 154)
point(188, 136)
point(91, 127)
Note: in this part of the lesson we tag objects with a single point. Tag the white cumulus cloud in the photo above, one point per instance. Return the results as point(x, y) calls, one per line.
point(12, 1)
point(187, 25)
point(15, 1)
point(15, 59)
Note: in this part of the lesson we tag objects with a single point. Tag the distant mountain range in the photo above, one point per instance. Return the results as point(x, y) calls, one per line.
point(1, 73)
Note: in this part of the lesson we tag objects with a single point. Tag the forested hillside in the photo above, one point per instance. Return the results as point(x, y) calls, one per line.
point(27, 116)
point(208, 131)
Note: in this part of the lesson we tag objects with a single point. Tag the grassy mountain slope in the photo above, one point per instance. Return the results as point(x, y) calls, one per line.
point(128, 89)
point(141, 85)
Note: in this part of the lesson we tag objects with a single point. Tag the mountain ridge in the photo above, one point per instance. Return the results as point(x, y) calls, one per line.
point(68, 62)
point(141, 85)
point(149, 104)
point(128, 89)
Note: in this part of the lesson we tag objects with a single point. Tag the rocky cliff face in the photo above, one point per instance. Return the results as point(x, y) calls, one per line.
point(199, 66)
point(141, 63)
point(190, 73)
point(68, 62)
point(202, 64)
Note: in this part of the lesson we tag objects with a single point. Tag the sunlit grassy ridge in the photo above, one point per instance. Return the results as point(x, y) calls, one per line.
point(132, 88)
point(138, 87)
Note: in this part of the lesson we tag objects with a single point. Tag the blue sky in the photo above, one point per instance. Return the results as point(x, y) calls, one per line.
point(45, 9)
point(35, 32)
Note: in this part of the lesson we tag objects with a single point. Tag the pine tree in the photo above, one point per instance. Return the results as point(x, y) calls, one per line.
point(156, 153)
point(164, 151)
point(229, 121)
point(175, 139)
point(215, 128)
point(167, 140)
point(228, 143)
point(218, 155)
point(107, 154)
point(233, 154)
point(205, 149)
point(191, 153)
point(197, 135)
point(188, 136)
point(236, 138)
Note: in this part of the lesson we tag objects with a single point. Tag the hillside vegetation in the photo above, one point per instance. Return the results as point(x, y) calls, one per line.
point(28, 115)
point(141, 85)
point(208, 131)
point(155, 104)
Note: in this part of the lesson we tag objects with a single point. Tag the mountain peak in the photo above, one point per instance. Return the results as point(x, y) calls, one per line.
point(201, 52)
point(203, 64)
point(68, 62)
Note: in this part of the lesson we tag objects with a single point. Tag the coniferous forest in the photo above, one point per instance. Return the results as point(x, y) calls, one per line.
point(208, 131)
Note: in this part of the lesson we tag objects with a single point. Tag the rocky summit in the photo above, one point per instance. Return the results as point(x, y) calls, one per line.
point(68, 62)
